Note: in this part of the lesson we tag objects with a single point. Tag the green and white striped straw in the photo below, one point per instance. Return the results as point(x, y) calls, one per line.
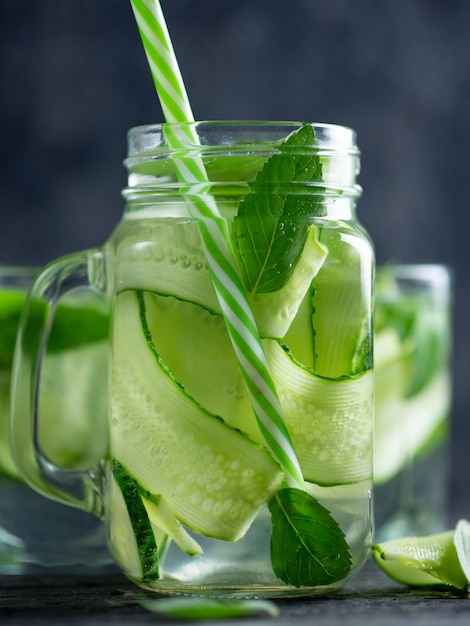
point(216, 241)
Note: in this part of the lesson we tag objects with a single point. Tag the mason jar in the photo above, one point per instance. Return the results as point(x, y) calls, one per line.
point(192, 495)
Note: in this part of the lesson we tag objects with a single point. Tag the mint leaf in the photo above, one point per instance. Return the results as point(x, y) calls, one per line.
point(308, 548)
point(270, 229)
point(210, 608)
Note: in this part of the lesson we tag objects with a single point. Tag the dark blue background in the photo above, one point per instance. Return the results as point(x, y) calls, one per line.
point(74, 78)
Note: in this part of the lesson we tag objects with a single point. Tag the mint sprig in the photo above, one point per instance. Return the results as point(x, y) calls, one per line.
point(308, 548)
point(270, 229)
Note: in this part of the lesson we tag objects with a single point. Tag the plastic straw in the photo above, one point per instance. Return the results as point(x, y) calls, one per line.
point(216, 241)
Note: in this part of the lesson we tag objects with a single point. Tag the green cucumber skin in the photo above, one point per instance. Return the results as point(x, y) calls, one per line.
point(147, 546)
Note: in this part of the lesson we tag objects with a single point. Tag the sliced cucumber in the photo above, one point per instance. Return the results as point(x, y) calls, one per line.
point(274, 312)
point(421, 321)
point(392, 364)
point(73, 382)
point(330, 421)
point(415, 561)
point(403, 425)
point(166, 257)
point(132, 540)
point(299, 337)
point(80, 319)
point(162, 517)
point(412, 381)
point(195, 345)
point(341, 308)
point(176, 266)
point(213, 477)
point(74, 393)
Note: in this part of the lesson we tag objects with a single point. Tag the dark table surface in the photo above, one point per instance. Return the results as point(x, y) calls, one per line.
point(371, 598)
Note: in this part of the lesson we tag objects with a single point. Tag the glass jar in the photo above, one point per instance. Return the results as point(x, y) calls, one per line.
point(413, 399)
point(192, 497)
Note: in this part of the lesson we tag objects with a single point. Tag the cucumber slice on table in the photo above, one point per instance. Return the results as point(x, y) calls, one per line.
point(416, 561)
point(213, 478)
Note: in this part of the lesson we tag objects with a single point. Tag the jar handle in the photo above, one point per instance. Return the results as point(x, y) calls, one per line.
point(76, 488)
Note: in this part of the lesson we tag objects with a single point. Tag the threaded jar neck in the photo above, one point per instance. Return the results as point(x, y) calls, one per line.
point(233, 153)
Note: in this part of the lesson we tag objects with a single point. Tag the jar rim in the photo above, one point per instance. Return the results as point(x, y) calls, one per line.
point(224, 134)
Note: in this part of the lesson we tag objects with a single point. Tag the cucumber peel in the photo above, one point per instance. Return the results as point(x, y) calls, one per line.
point(131, 534)
point(162, 517)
